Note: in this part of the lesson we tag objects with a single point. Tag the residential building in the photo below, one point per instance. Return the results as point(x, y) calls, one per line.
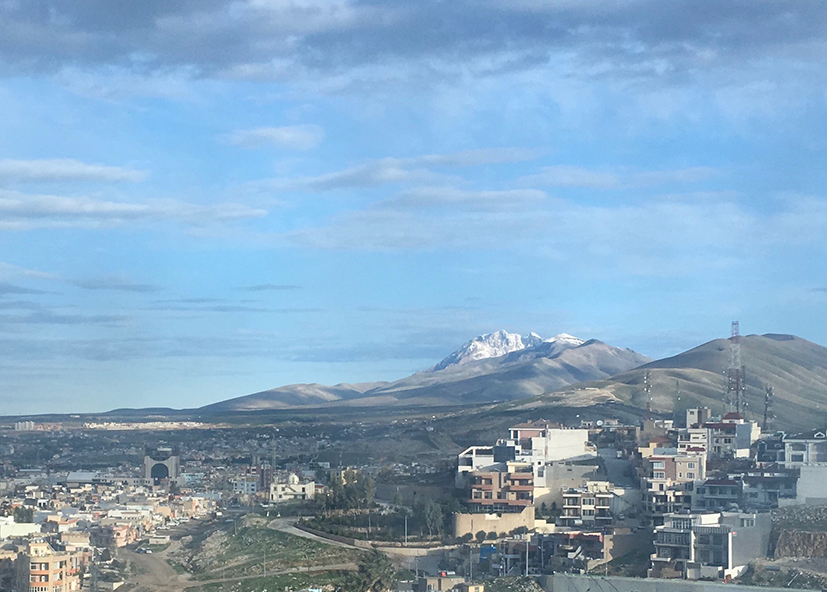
point(293, 490)
point(41, 568)
point(718, 494)
point(715, 545)
point(668, 480)
point(697, 417)
point(732, 437)
point(805, 449)
point(473, 458)
point(596, 504)
point(502, 491)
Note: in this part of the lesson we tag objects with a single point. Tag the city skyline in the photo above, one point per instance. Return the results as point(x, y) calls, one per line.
point(206, 200)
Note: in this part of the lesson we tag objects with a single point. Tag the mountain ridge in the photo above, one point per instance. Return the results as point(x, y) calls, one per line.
point(490, 367)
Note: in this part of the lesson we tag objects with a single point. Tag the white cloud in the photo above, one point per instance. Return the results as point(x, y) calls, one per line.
point(449, 197)
point(401, 170)
point(65, 169)
point(575, 176)
point(294, 137)
point(19, 211)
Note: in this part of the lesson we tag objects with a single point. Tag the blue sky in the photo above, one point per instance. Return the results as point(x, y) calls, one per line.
point(203, 199)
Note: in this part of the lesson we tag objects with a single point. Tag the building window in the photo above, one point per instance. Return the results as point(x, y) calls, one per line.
point(659, 475)
point(690, 475)
point(658, 465)
point(690, 465)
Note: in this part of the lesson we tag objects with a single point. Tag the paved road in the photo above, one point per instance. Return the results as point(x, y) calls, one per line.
point(288, 525)
point(409, 557)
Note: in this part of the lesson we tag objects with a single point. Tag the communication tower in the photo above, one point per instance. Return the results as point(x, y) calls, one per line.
point(735, 389)
point(647, 390)
point(768, 413)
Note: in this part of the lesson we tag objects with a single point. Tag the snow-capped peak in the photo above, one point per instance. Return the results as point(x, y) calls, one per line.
point(500, 343)
point(565, 338)
point(532, 340)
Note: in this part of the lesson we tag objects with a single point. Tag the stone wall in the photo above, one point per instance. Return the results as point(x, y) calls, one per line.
point(800, 543)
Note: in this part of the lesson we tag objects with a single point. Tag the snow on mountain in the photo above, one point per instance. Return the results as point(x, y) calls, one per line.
point(500, 343)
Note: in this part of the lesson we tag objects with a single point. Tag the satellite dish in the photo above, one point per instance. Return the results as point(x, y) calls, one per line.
point(599, 422)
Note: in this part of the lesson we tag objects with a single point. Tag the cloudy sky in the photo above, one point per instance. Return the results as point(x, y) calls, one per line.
point(202, 199)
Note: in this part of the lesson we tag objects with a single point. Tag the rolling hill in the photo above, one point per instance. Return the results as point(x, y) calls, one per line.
point(794, 367)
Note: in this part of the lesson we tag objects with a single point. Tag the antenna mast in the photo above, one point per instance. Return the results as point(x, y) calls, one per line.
point(735, 373)
point(768, 413)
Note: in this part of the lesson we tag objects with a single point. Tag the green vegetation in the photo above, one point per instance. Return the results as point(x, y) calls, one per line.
point(22, 515)
point(349, 491)
point(252, 549)
point(428, 520)
point(375, 574)
point(283, 582)
point(521, 584)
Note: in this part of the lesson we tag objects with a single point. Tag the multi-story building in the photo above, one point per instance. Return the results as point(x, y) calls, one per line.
point(590, 505)
point(498, 491)
point(732, 437)
point(293, 490)
point(668, 479)
point(41, 568)
point(693, 441)
point(537, 448)
point(718, 494)
point(805, 449)
point(473, 458)
point(715, 545)
point(697, 417)
point(769, 487)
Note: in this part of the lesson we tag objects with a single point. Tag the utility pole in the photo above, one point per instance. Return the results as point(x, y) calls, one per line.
point(526, 556)
point(406, 530)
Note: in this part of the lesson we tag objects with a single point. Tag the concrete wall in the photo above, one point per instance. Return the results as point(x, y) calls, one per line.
point(560, 474)
point(500, 523)
point(561, 582)
point(16, 529)
point(566, 443)
point(810, 488)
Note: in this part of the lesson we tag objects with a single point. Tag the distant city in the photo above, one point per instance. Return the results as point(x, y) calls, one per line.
point(531, 494)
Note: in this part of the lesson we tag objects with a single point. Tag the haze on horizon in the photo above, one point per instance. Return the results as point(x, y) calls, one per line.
point(200, 200)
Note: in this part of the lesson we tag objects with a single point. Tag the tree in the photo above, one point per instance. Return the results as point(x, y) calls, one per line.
point(492, 536)
point(480, 536)
point(22, 515)
point(433, 517)
point(375, 574)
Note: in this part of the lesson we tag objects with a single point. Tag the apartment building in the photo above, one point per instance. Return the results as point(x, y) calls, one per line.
point(718, 494)
point(588, 506)
point(715, 545)
point(732, 436)
point(498, 491)
point(668, 480)
point(41, 568)
point(805, 449)
point(537, 448)
point(473, 458)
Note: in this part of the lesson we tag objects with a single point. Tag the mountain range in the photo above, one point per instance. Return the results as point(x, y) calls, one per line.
point(498, 366)
point(524, 372)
